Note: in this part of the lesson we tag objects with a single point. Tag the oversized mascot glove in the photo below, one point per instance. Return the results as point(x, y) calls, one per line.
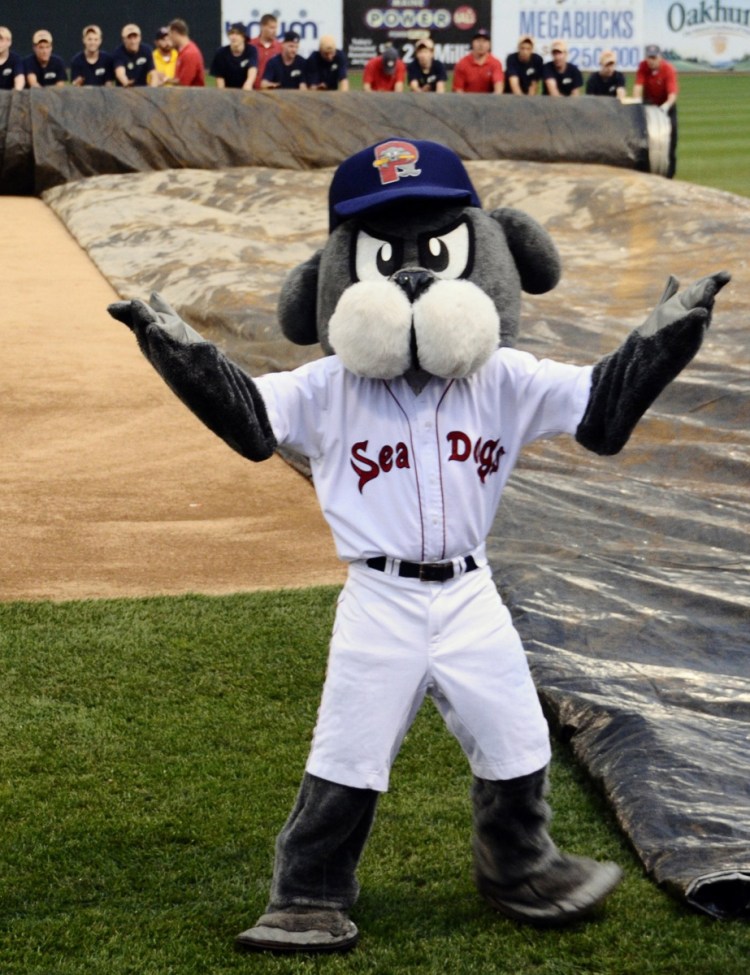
point(625, 383)
point(220, 394)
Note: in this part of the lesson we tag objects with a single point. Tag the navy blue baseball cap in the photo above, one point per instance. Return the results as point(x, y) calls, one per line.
point(397, 169)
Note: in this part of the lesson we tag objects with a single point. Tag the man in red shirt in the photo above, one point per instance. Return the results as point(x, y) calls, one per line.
point(656, 84)
point(384, 73)
point(267, 44)
point(479, 71)
point(189, 71)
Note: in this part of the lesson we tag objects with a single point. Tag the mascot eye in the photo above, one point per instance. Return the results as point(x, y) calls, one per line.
point(448, 255)
point(376, 259)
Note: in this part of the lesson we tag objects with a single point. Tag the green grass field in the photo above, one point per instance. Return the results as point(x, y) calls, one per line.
point(151, 750)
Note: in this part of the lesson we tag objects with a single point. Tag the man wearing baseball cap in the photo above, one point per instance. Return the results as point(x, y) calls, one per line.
point(43, 69)
point(523, 69)
point(561, 77)
point(236, 64)
point(656, 84)
point(387, 72)
point(479, 72)
point(425, 72)
point(288, 69)
point(134, 60)
point(607, 80)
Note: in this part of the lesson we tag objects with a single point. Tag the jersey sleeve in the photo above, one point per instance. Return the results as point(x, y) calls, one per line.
point(297, 404)
point(548, 398)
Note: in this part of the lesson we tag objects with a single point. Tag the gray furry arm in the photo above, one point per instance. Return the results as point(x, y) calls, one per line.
point(625, 383)
point(220, 394)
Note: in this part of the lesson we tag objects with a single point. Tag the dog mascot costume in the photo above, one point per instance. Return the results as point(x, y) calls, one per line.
point(412, 423)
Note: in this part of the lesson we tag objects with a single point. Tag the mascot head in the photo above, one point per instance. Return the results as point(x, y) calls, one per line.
point(415, 278)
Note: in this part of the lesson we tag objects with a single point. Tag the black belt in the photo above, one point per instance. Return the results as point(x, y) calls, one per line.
point(424, 571)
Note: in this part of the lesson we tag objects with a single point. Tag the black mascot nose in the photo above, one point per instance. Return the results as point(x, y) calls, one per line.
point(414, 282)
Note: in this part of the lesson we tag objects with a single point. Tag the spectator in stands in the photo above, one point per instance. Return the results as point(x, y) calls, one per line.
point(479, 72)
point(327, 67)
point(386, 72)
point(165, 57)
point(607, 80)
point(523, 69)
point(656, 84)
point(190, 71)
point(425, 72)
point(560, 76)
point(43, 68)
point(266, 44)
point(236, 64)
point(288, 69)
point(92, 66)
point(134, 60)
point(12, 74)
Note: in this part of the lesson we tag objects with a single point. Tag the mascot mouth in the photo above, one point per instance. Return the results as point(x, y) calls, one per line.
point(379, 333)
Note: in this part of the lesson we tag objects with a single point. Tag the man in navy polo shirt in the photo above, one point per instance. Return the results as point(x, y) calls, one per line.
point(288, 69)
point(236, 64)
point(523, 69)
point(560, 76)
point(43, 68)
point(12, 75)
point(92, 66)
point(327, 67)
point(134, 60)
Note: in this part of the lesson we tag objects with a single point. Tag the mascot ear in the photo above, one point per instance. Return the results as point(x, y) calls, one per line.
point(535, 255)
point(298, 303)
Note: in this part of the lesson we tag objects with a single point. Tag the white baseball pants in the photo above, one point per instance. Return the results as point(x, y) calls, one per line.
point(396, 640)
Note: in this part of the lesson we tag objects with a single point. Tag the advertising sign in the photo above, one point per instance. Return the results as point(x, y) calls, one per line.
point(309, 20)
point(588, 29)
point(371, 26)
point(705, 33)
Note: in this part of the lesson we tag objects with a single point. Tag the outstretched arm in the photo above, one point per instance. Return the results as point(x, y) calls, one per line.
point(220, 394)
point(625, 383)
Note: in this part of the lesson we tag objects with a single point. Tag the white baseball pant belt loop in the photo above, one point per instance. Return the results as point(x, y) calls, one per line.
point(426, 571)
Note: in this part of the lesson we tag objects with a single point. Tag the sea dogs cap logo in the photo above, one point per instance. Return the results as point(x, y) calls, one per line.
point(396, 169)
point(394, 160)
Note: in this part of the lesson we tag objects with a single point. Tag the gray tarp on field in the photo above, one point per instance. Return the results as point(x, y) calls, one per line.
point(70, 133)
point(629, 576)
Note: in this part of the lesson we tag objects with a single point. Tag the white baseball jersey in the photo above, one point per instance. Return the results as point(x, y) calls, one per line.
point(419, 477)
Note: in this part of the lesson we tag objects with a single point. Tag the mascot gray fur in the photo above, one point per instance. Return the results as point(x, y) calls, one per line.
point(412, 423)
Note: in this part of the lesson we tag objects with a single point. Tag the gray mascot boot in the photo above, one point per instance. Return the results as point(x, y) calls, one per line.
point(314, 878)
point(518, 869)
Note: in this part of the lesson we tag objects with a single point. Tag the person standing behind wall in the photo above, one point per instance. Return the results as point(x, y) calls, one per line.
point(236, 64)
point(479, 72)
point(165, 56)
point(523, 69)
point(12, 75)
point(92, 66)
point(133, 60)
point(656, 84)
point(387, 72)
point(189, 71)
point(327, 68)
point(266, 44)
point(560, 76)
point(425, 72)
point(43, 68)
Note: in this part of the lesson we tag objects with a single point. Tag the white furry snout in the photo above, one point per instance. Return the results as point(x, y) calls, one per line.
point(370, 330)
point(457, 328)
point(456, 325)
